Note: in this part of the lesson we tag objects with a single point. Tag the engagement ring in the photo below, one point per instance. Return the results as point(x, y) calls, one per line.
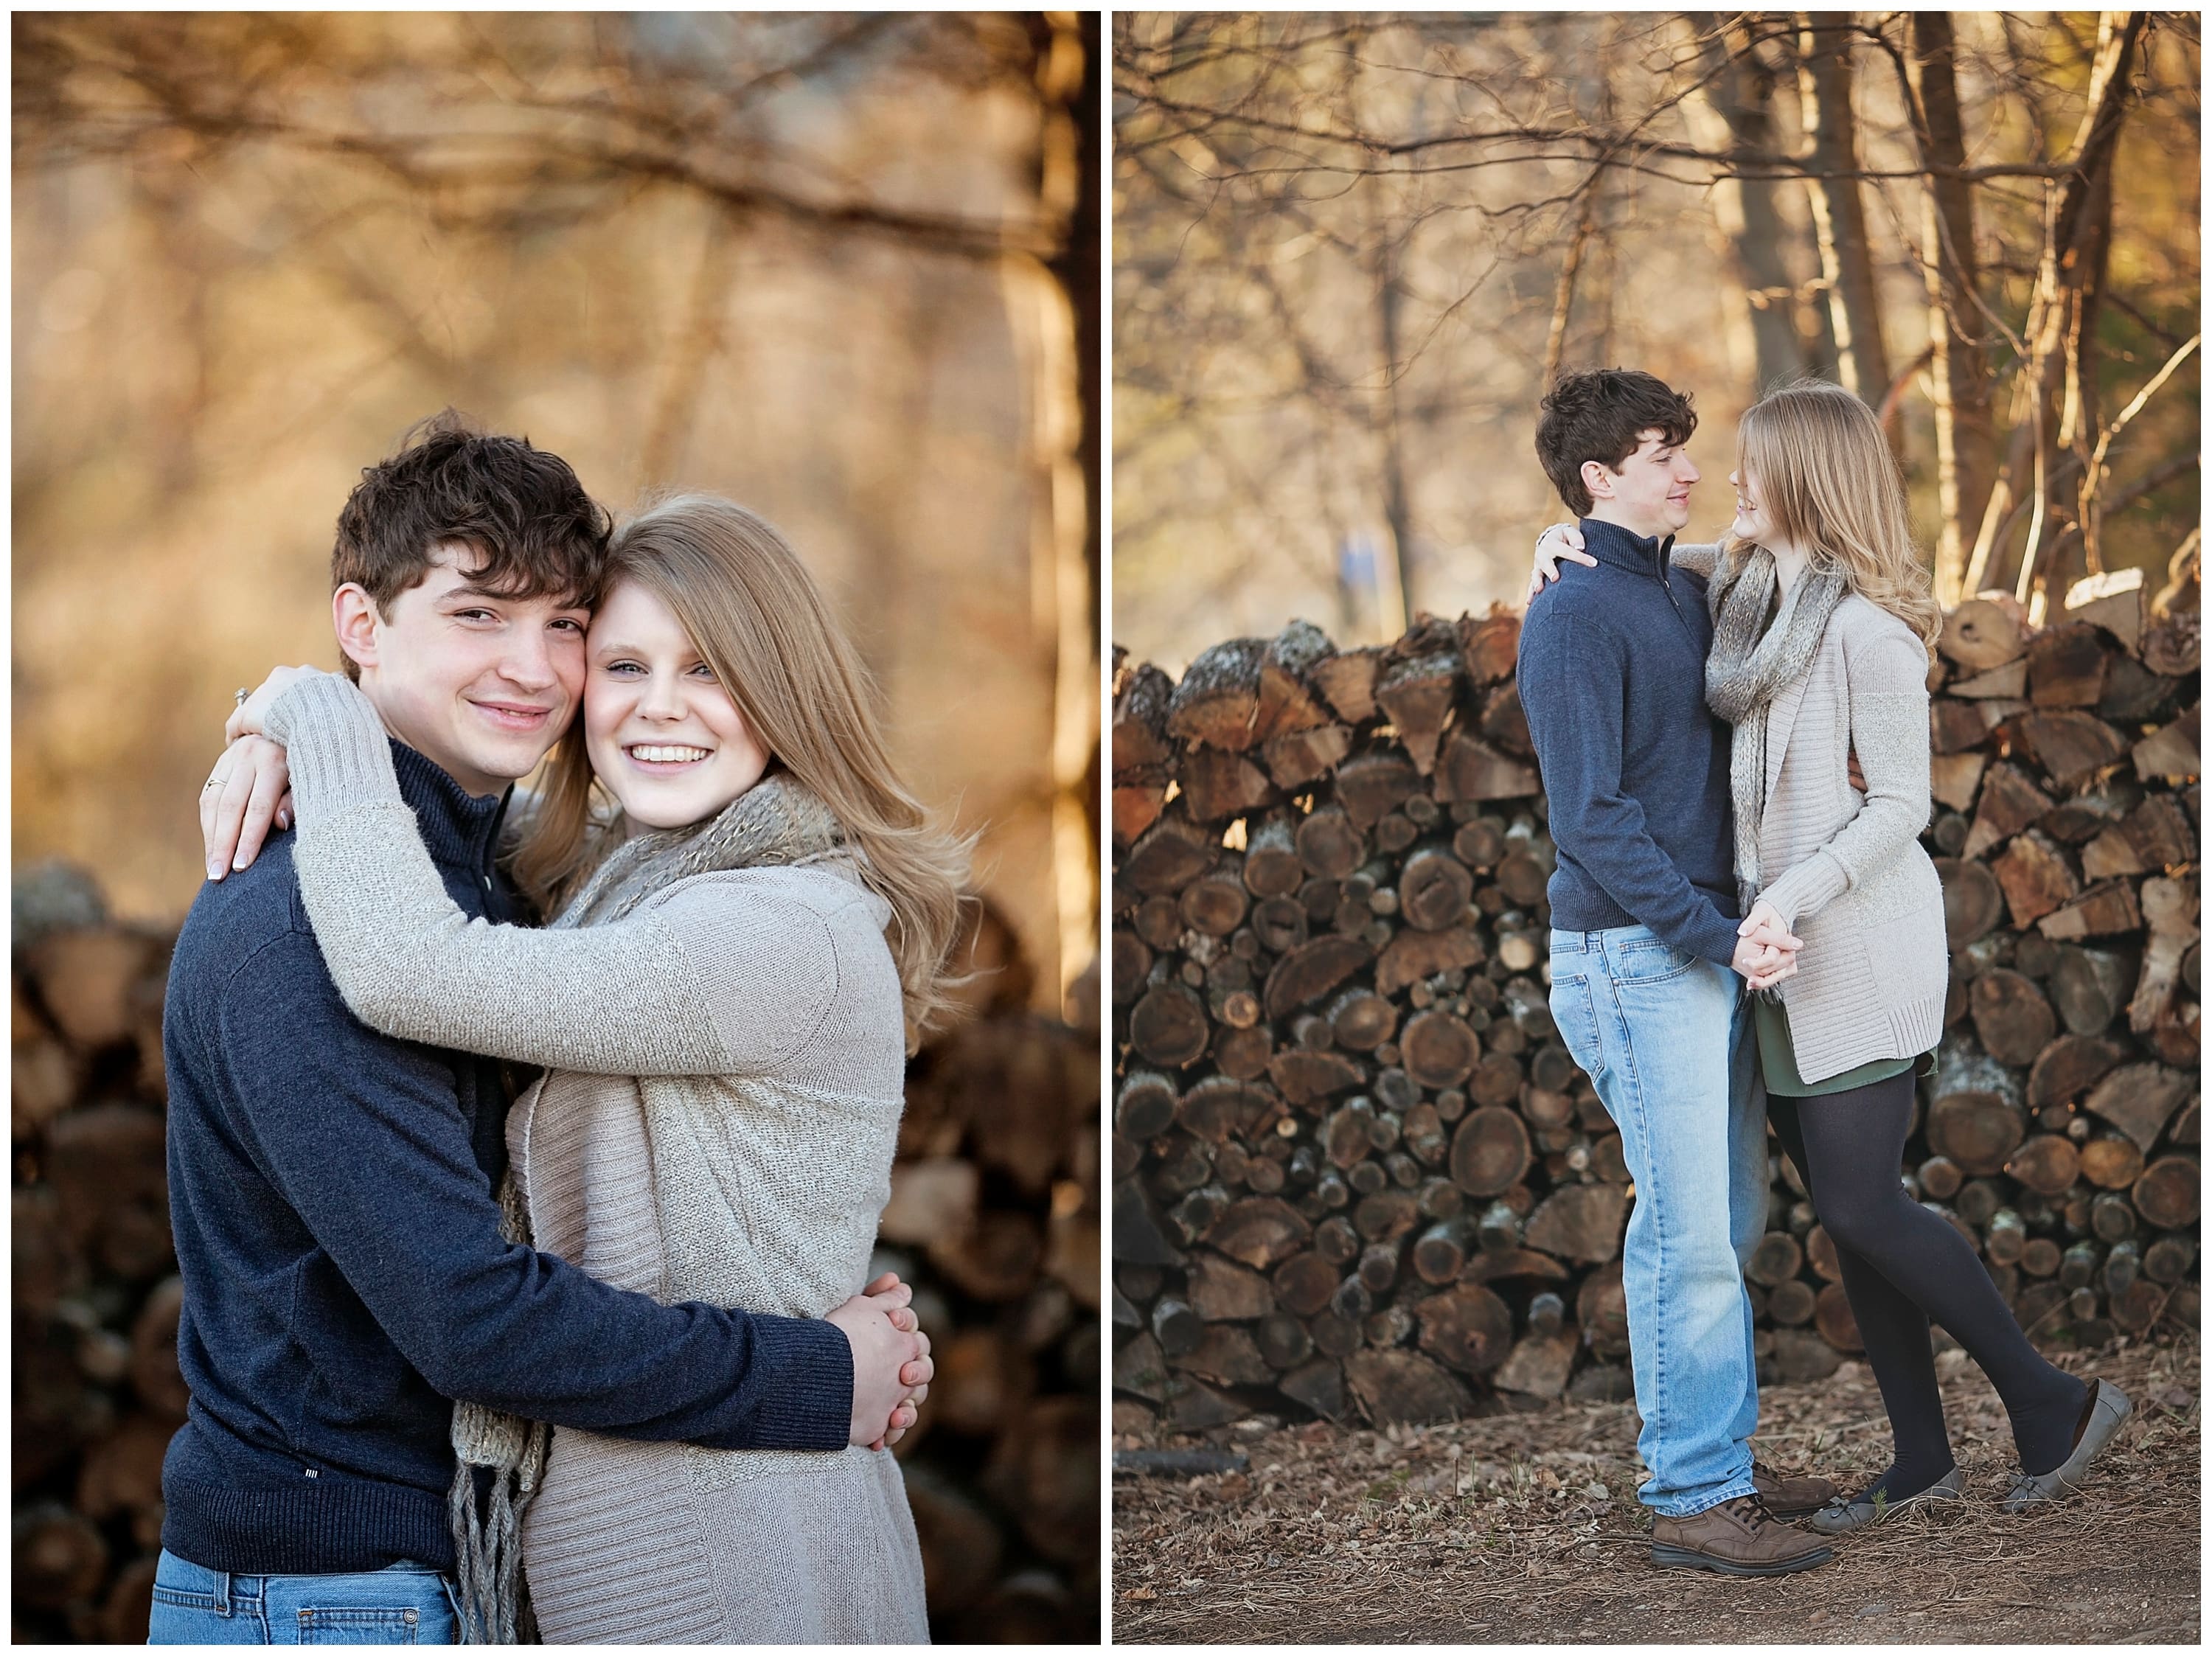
point(238, 697)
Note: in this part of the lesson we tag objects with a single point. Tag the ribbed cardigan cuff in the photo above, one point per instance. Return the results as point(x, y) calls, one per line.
point(1808, 888)
point(335, 742)
point(807, 1400)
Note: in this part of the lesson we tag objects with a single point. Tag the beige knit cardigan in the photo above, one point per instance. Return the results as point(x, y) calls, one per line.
point(725, 1075)
point(1845, 870)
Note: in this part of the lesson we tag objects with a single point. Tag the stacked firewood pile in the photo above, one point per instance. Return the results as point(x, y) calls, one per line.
point(97, 1394)
point(994, 1217)
point(1356, 1174)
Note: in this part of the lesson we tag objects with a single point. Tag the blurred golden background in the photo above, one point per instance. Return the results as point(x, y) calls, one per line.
point(842, 269)
point(1353, 249)
point(821, 264)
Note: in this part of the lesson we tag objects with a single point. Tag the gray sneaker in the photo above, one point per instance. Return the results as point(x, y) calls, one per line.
point(1841, 1516)
point(2107, 1415)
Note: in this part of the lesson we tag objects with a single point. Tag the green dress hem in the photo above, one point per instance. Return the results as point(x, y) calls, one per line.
point(1777, 1060)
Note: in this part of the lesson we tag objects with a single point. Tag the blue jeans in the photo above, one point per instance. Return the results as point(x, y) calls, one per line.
point(404, 1604)
point(1666, 1039)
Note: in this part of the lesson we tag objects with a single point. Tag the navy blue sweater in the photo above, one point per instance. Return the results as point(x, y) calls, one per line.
point(1635, 765)
point(344, 1278)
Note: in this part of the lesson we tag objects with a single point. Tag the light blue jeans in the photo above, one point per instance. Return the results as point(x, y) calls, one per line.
point(1666, 1039)
point(404, 1604)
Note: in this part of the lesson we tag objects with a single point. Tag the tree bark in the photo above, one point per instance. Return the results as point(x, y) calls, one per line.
point(1218, 701)
point(1734, 105)
point(2056, 315)
point(1965, 438)
point(1395, 596)
point(1562, 302)
point(1839, 212)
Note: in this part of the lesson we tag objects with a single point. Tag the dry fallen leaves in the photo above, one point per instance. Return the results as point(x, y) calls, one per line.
point(1523, 1527)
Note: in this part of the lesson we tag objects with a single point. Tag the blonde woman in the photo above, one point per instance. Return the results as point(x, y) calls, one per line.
point(1823, 624)
point(722, 1002)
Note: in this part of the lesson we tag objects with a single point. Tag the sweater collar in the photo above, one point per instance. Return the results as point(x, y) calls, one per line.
point(1609, 543)
point(458, 827)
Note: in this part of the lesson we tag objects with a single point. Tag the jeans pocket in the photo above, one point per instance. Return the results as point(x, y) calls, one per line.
point(1649, 961)
point(1574, 1010)
point(183, 1584)
point(352, 1625)
point(171, 1623)
point(186, 1600)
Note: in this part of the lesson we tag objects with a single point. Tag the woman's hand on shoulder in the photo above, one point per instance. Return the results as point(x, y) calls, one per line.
point(251, 716)
point(249, 789)
point(1560, 541)
point(251, 786)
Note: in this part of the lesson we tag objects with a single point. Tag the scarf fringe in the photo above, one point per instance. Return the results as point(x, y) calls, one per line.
point(488, 1547)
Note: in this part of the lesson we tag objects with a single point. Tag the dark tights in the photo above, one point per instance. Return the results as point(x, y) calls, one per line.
point(1903, 1266)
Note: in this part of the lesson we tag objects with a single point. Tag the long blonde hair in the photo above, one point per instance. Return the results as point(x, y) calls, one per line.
point(1826, 477)
point(757, 618)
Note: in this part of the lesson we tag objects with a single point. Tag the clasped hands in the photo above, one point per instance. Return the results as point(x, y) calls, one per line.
point(892, 1365)
point(1765, 952)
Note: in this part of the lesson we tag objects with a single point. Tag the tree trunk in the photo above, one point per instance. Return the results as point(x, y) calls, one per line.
point(1734, 109)
point(2072, 554)
point(1562, 302)
point(1965, 439)
point(1395, 585)
point(2056, 315)
point(1839, 212)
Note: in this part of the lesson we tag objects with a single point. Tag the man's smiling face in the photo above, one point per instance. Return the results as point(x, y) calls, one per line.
point(481, 685)
point(1649, 495)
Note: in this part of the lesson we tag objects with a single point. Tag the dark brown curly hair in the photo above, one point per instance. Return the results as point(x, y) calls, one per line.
point(519, 510)
point(1598, 414)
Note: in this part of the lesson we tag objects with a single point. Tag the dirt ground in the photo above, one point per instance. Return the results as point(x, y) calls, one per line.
point(1525, 1529)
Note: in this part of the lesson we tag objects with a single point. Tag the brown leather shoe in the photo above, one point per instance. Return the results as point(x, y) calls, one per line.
point(1737, 1537)
point(1790, 1497)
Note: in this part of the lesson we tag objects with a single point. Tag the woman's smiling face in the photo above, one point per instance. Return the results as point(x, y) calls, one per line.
point(663, 734)
point(1752, 521)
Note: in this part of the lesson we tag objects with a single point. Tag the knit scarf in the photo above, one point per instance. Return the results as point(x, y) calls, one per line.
point(1749, 663)
point(775, 823)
